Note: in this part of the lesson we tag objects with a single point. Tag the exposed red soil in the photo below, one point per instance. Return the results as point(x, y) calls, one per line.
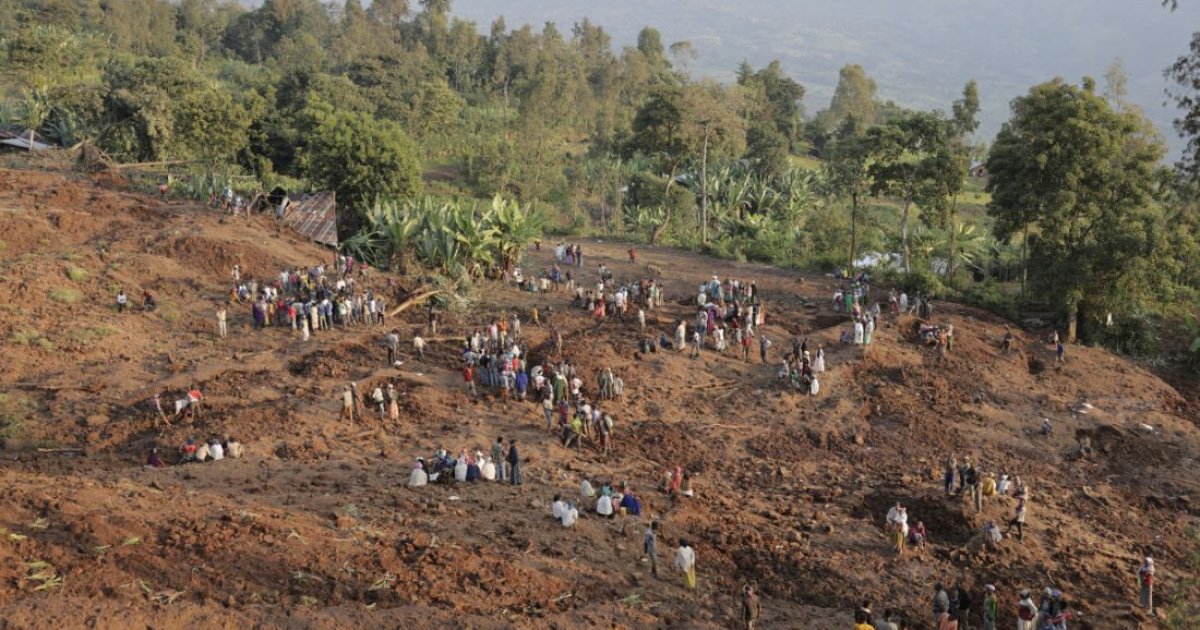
point(315, 528)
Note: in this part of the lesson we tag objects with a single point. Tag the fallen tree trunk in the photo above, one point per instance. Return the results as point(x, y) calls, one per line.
point(413, 301)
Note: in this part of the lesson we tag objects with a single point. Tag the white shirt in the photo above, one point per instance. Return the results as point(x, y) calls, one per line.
point(216, 451)
point(558, 508)
point(417, 478)
point(569, 517)
point(604, 506)
point(685, 558)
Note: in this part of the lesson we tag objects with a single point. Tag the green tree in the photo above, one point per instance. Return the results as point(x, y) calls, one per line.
point(1079, 177)
point(163, 108)
point(360, 159)
point(854, 97)
point(946, 172)
point(774, 98)
point(907, 152)
point(848, 172)
point(965, 118)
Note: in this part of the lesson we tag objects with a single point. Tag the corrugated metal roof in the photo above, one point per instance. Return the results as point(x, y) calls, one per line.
point(314, 216)
point(23, 143)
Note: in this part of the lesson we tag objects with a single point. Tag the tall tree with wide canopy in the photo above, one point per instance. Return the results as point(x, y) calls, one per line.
point(1074, 178)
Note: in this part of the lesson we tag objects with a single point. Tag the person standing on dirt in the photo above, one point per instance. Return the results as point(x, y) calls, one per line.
point(393, 403)
point(751, 607)
point(685, 561)
point(419, 346)
point(963, 610)
point(941, 603)
point(747, 342)
point(972, 483)
point(1018, 519)
point(498, 459)
point(514, 463)
point(1145, 578)
point(357, 399)
point(378, 399)
point(392, 342)
point(194, 397)
point(991, 610)
point(122, 301)
point(650, 546)
point(157, 408)
point(897, 523)
point(1060, 351)
point(1027, 612)
point(222, 318)
point(347, 404)
point(763, 345)
point(948, 477)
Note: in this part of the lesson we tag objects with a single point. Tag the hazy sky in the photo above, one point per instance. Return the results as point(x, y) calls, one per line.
point(920, 52)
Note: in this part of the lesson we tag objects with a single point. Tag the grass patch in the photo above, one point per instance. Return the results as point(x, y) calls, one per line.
point(91, 333)
point(14, 409)
point(168, 312)
point(29, 337)
point(68, 256)
point(66, 296)
point(77, 274)
point(25, 337)
point(3, 246)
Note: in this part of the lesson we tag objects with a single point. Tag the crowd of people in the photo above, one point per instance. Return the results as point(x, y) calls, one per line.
point(308, 300)
point(495, 361)
point(200, 451)
point(503, 465)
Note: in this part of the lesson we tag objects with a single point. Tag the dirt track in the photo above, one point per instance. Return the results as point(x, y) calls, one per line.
point(314, 527)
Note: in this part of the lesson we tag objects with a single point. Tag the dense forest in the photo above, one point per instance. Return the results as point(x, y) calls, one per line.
point(426, 125)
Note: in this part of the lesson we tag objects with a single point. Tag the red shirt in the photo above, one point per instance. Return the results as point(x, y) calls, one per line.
point(468, 374)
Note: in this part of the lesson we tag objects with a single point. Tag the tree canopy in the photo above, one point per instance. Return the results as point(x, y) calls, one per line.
point(1077, 179)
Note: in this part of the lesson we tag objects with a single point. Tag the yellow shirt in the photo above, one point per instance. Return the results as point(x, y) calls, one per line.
point(989, 486)
point(864, 626)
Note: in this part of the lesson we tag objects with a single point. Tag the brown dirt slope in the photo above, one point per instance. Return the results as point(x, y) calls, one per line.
point(315, 529)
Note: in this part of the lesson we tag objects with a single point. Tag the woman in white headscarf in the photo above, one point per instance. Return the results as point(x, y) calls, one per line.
point(418, 476)
point(1145, 576)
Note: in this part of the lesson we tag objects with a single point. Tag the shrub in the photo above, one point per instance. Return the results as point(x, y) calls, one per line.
point(921, 280)
point(77, 274)
point(25, 337)
point(91, 333)
point(14, 409)
point(988, 296)
point(168, 313)
point(1130, 334)
point(66, 296)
